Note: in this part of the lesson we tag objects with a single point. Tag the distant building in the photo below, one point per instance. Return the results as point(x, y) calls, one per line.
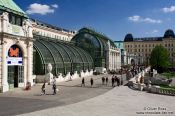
point(120, 46)
point(101, 48)
point(139, 49)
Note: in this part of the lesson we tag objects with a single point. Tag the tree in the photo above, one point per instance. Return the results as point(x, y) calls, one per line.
point(159, 58)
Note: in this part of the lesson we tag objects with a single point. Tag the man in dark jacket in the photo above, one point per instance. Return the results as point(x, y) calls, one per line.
point(92, 82)
point(83, 82)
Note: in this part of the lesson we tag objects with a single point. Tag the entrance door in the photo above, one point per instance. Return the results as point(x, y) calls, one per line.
point(15, 76)
point(11, 74)
point(15, 66)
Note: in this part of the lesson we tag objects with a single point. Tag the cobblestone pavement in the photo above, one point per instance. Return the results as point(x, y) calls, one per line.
point(19, 101)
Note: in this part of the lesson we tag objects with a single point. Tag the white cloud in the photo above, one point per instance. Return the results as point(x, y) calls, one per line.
point(137, 18)
point(149, 20)
point(155, 31)
point(54, 5)
point(36, 8)
point(134, 18)
point(169, 9)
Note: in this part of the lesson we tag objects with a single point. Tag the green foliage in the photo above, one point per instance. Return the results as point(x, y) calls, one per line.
point(167, 87)
point(168, 75)
point(159, 58)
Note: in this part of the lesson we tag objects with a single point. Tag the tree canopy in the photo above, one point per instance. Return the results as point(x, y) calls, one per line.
point(159, 58)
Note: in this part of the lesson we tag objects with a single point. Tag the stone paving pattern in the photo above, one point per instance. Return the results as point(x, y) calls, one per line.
point(99, 100)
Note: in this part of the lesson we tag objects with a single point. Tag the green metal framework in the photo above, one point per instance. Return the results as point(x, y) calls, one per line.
point(94, 43)
point(64, 57)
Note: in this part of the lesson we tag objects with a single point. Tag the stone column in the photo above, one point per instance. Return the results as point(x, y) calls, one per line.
point(113, 60)
point(29, 63)
point(4, 68)
point(5, 21)
point(25, 69)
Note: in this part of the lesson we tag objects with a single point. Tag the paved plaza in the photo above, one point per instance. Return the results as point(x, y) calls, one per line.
point(19, 101)
point(74, 100)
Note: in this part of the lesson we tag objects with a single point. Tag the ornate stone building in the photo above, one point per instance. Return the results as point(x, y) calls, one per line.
point(139, 49)
point(16, 47)
point(27, 46)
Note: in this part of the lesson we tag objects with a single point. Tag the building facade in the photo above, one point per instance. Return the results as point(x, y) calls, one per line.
point(47, 30)
point(101, 48)
point(27, 46)
point(139, 49)
point(16, 47)
point(120, 46)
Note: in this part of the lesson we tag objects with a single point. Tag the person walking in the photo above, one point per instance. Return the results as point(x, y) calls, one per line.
point(106, 81)
point(54, 86)
point(83, 82)
point(43, 89)
point(112, 80)
point(92, 82)
point(103, 80)
point(116, 80)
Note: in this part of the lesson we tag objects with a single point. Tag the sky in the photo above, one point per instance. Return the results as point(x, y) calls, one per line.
point(113, 18)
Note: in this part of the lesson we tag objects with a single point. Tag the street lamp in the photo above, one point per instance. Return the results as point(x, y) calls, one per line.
point(121, 76)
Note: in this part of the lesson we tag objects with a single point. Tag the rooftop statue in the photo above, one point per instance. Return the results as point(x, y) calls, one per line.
point(27, 28)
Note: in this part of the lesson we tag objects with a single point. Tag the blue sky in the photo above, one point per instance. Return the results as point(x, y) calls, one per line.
point(114, 18)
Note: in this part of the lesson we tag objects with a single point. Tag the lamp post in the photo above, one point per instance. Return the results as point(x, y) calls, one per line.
point(121, 76)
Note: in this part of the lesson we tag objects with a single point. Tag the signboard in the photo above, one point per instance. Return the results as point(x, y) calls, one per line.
point(14, 55)
point(14, 61)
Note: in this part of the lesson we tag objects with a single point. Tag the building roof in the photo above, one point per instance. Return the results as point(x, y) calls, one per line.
point(51, 26)
point(61, 55)
point(128, 37)
point(168, 34)
point(98, 35)
point(148, 39)
point(11, 6)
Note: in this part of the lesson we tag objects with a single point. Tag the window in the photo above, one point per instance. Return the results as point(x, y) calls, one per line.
point(18, 21)
point(13, 20)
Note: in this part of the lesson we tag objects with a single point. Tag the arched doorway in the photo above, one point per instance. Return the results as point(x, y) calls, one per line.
point(15, 66)
point(132, 62)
